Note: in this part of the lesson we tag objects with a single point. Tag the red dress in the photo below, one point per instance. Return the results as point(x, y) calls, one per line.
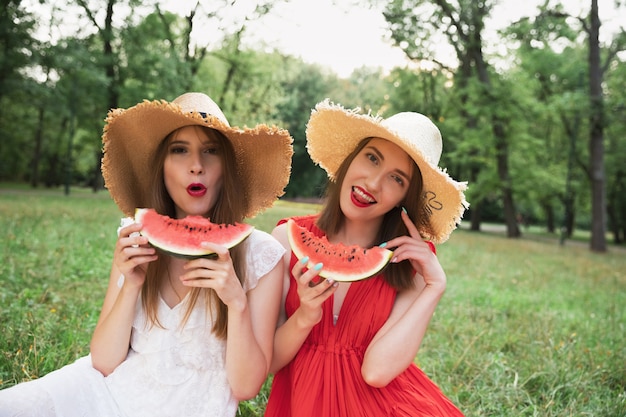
point(324, 379)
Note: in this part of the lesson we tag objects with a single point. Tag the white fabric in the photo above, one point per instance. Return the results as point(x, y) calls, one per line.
point(168, 372)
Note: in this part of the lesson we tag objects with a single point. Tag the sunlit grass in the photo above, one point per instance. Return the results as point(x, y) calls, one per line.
point(526, 327)
point(530, 328)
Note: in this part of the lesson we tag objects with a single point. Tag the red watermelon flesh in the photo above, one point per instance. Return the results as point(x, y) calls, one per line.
point(183, 237)
point(340, 262)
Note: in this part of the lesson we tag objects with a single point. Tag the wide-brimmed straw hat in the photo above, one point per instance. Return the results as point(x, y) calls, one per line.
point(132, 136)
point(334, 132)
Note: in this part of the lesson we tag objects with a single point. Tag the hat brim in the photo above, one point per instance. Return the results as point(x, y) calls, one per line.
point(131, 138)
point(333, 132)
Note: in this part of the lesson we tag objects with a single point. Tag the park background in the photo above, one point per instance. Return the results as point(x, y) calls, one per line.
point(532, 115)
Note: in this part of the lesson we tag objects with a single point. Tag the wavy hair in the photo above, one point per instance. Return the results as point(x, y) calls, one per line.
point(229, 208)
point(331, 218)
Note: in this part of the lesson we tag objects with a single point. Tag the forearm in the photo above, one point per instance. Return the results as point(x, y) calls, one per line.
point(288, 339)
point(392, 352)
point(111, 338)
point(246, 363)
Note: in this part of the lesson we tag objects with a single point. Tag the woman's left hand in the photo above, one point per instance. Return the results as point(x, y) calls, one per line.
point(218, 274)
point(414, 249)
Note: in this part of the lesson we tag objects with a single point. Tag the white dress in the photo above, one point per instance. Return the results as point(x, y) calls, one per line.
point(168, 371)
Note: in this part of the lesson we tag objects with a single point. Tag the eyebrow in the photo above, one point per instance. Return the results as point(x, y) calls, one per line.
point(380, 155)
point(176, 141)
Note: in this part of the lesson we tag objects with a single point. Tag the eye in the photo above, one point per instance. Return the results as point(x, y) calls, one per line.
point(398, 178)
point(372, 157)
point(212, 150)
point(177, 149)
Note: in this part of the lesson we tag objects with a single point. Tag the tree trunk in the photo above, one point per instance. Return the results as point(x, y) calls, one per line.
point(111, 74)
point(501, 143)
point(596, 138)
point(548, 211)
point(34, 173)
point(502, 159)
point(475, 216)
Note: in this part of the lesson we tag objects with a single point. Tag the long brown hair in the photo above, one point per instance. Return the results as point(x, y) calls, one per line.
point(229, 208)
point(331, 218)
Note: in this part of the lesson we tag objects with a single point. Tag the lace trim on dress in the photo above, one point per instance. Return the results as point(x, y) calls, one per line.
point(264, 252)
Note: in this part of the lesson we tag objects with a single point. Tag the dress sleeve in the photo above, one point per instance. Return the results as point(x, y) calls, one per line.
point(264, 252)
point(125, 221)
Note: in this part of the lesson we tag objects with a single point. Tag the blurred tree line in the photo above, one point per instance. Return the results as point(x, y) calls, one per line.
point(539, 131)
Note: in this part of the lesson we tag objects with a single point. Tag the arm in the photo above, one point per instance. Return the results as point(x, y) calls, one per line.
point(252, 318)
point(251, 336)
point(111, 337)
point(292, 332)
point(396, 344)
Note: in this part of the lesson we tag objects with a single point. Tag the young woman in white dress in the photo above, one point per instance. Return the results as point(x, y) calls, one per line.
point(176, 336)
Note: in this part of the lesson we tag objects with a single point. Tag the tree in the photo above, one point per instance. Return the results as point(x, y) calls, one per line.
point(615, 105)
point(548, 55)
point(597, 121)
point(16, 83)
point(596, 133)
point(303, 87)
point(416, 25)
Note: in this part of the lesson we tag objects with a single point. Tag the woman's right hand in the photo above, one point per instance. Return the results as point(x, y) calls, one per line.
point(111, 337)
point(312, 291)
point(132, 254)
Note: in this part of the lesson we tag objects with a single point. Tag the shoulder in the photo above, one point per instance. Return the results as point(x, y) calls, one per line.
point(307, 222)
point(260, 241)
point(263, 253)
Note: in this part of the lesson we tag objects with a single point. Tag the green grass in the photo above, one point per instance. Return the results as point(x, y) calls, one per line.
point(526, 328)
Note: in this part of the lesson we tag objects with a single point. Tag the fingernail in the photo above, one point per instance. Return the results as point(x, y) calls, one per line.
point(404, 210)
point(383, 245)
point(394, 259)
point(304, 260)
point(318, 266)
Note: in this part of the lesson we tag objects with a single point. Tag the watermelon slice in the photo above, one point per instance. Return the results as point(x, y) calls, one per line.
point(182, 237)
point(341, 262)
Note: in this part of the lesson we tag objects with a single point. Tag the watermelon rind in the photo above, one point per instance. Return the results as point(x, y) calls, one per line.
point(339, 263)
point(182, 238)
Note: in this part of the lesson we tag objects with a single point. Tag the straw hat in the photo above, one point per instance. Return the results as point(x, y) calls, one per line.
point(334, 132)
point(131, 137)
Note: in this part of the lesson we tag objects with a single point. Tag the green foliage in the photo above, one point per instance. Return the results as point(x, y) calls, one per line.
point(526, 327)
point(153, 65)
point(54, 95)
point(302, 88)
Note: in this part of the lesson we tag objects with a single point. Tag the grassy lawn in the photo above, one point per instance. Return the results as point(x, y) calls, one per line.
point(526, 328)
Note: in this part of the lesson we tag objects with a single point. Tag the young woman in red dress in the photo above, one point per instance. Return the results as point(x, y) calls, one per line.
point(348, 348)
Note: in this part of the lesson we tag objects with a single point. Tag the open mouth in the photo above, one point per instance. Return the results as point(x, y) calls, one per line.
point(196, 190)
point(362, 198)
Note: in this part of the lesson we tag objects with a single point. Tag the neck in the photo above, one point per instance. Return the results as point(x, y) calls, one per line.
point(172, 281)
point(357, 233)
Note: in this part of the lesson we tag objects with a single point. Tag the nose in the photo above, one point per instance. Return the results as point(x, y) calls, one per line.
point(196, 166)
point(374, 181)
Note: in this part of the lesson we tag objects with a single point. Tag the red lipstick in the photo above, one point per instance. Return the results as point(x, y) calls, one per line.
point(196, 190)
point(361, 198)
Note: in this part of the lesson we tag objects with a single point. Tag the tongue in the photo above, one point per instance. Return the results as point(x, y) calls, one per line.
point(360, 199)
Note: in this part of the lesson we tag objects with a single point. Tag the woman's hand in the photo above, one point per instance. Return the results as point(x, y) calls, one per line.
point(132, 254)
point(218, 274)
point(414, 249)
point(312, 290)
